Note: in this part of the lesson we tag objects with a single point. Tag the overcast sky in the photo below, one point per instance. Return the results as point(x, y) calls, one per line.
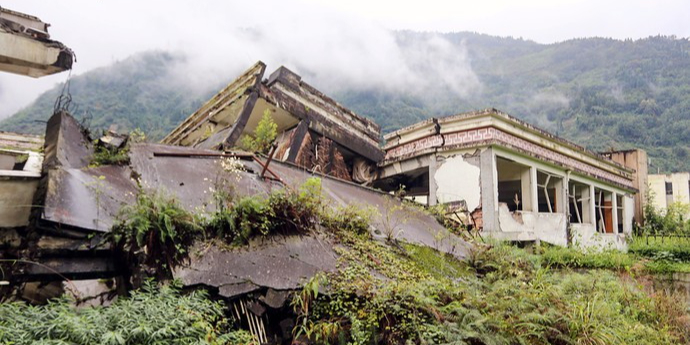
point(346, 40)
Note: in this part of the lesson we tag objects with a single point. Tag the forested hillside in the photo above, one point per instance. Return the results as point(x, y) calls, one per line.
point(601, 93)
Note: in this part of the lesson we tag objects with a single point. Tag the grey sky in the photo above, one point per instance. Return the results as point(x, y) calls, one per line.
point(344, 41)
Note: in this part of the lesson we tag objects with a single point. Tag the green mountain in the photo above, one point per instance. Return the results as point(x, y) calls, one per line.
point(601, 93)
point(133, 93)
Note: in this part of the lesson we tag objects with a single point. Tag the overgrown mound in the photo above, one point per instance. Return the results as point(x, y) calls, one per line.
point(501, 295)
point(151, 315)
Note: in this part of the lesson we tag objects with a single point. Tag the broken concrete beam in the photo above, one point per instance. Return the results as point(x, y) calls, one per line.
point(25, 47)
point(66, 145)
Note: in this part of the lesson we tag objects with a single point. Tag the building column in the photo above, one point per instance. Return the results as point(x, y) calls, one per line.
point(614, 212)
point(489, 189)
point(433, 166)
point(592, 206)
point(530, 189)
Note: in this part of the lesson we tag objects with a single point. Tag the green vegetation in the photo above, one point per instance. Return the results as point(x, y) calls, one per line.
point(151, 315)
point(641, 258)
point(670, 221)
point(501, 295)
point(155, 231)
point(105, 155)
point(264, 135)
point(388, 292)
point(283, 211)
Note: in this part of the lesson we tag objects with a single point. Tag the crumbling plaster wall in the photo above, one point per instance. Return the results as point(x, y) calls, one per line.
point(457, 177)
point(547, 227)
point(585, 236)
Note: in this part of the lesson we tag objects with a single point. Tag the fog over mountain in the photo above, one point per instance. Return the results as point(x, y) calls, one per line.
point(601, 93)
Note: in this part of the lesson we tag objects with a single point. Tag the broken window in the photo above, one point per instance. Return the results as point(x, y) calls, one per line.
point(603, 210)
point(513, 185)
point(579, 202)
point(619, 212)
point(549, 192)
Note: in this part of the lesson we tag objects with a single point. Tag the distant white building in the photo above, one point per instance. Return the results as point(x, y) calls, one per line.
point(669, 189)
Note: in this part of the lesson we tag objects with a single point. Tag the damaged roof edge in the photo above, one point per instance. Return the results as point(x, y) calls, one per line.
point(506, 118)
point(294, 81)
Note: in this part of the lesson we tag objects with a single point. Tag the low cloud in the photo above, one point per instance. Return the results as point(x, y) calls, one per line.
point(331, 50)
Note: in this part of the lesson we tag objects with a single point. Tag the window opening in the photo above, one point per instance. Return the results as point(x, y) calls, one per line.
point(579, 202)
point(548, 190)
point(603, 211)
point(513, 185)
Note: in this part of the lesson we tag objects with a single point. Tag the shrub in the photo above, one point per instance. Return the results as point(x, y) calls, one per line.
point(156, 232)
point(350, 218)
point(282, 212)
point(658, 248)
point(104, 155)
point(264, 135)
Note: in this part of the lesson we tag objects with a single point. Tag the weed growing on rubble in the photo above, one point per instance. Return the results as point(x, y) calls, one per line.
point(281, 212)
point(151, 315)
point(104, 155)
point(264, 135)
point(156, 232)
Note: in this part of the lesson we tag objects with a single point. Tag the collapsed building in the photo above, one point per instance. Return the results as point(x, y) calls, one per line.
point(497, 174)
point(315, 132)
point(512, 180)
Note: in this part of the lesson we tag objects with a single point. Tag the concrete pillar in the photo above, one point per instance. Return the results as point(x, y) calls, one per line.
point(614, 212)
point(561, 197)
point(530, 190)
point(433, 166)
point(489, 188)
point(592, 207)
point(628, 213)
